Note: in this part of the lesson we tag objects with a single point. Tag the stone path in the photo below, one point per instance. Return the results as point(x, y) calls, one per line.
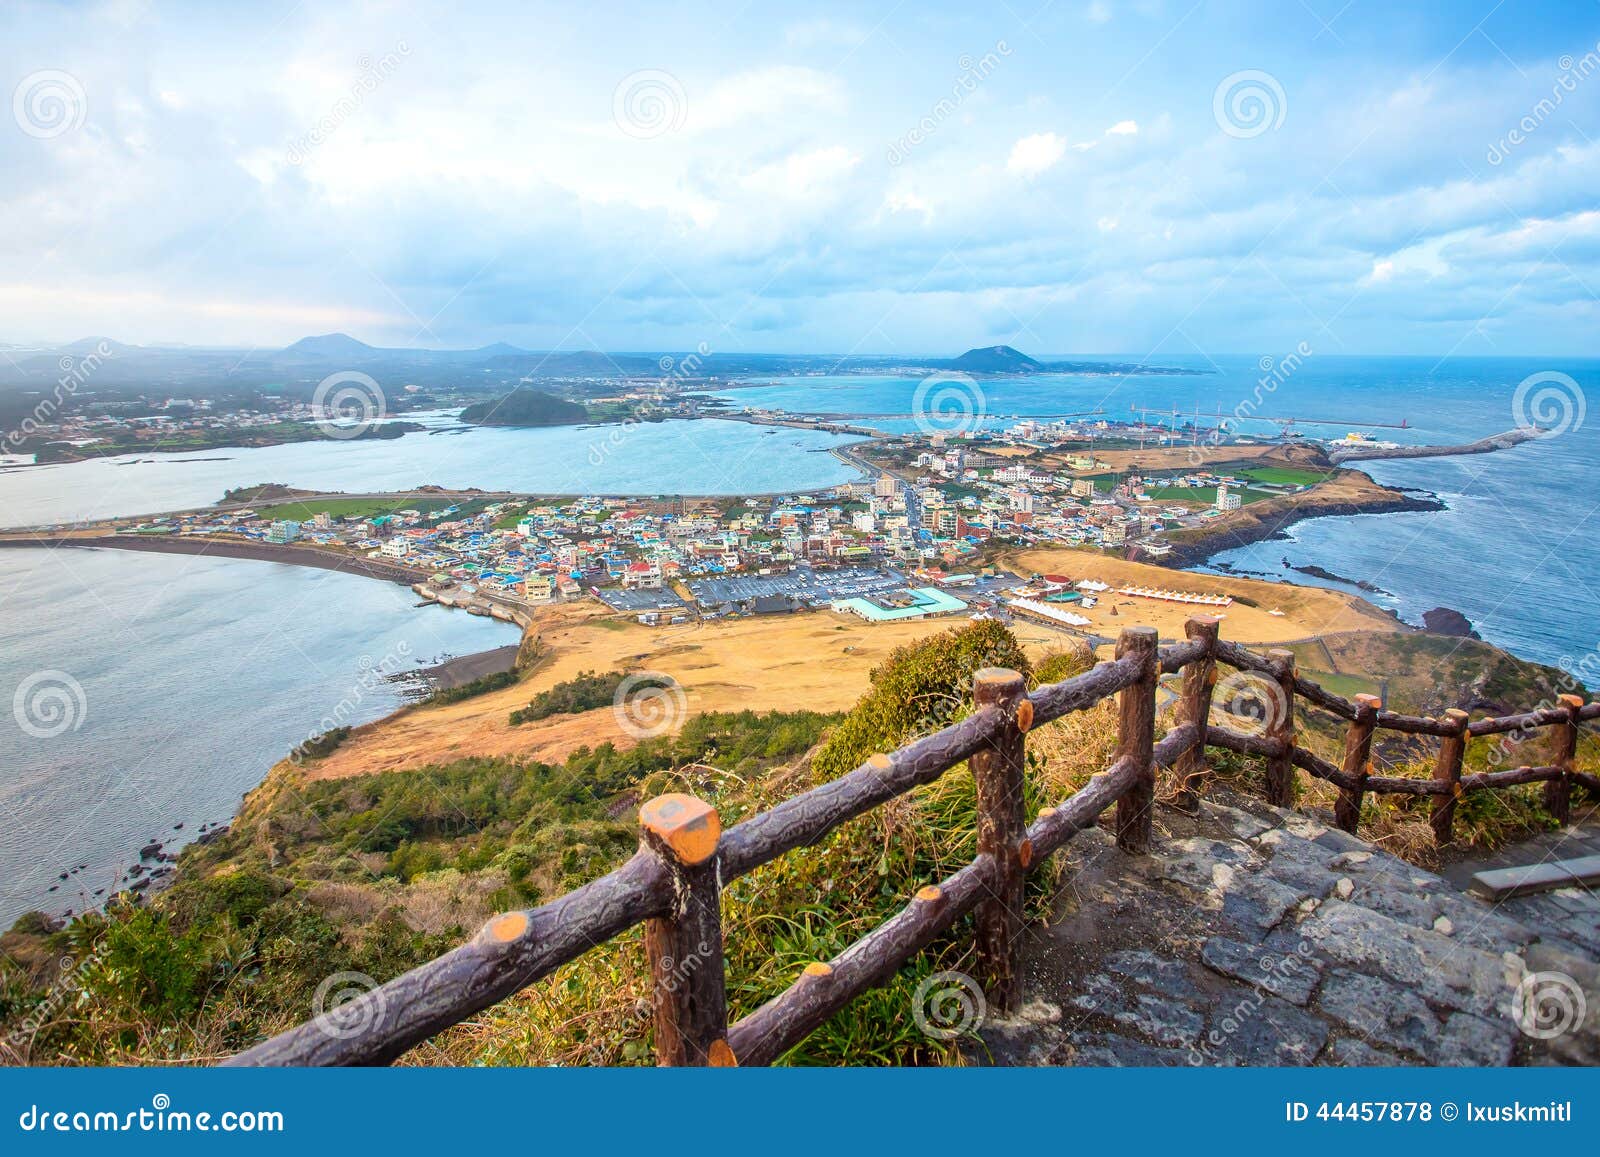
point(1261, 937)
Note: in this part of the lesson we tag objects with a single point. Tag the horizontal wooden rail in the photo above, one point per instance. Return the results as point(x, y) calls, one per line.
point(673, 883)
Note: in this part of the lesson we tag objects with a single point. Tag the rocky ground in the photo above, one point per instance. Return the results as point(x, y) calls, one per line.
point(1260, 937)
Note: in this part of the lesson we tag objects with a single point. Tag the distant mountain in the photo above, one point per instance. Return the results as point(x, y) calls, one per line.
point(522, 407)
point(995, 359)
point(330, 347)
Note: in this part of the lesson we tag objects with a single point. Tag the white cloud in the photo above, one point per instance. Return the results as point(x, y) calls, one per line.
point(1035, 154)
point(1123, 129)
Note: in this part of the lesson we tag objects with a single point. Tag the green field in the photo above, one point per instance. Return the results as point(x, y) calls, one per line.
point(1282, 475)
point(303, 509)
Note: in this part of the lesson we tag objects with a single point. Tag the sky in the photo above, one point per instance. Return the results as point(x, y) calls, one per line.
point(1153, 178)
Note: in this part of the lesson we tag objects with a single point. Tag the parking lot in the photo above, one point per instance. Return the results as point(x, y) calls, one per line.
point(810, 586)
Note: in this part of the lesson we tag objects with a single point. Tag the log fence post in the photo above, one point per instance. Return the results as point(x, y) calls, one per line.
point(997, 771)
point(1280, 726)
point(1357, 761)
point(1447, 771)
point(684, 947)
point(1558, 792)
point(1136, 732)
point(1199, 677)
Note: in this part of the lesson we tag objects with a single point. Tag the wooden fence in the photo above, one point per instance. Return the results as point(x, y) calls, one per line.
point(673, 883)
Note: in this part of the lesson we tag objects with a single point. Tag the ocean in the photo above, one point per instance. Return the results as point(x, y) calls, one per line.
point(143, 691)
point(1517, 550)
point(680, 457)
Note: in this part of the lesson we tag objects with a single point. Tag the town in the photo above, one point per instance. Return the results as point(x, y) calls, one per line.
point(922, 537)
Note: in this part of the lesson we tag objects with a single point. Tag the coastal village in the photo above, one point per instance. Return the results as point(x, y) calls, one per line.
point(919, 539)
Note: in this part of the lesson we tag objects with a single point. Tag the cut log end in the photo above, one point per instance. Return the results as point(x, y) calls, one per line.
point(818, 968)
point(720, 1056)
point(687, 827)
point(930, 893)
point(1025, 852)
point(1046, 812)
point(1025, 715)
point(1573, 701)
point(506, 927)
point(880, 762)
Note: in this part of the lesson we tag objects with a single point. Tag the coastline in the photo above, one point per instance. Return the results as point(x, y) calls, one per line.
point(221, 548)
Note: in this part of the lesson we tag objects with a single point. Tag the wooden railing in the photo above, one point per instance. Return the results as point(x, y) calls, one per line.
point(673, 883)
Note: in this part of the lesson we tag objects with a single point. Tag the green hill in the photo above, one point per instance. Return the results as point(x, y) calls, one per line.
point(526, 408)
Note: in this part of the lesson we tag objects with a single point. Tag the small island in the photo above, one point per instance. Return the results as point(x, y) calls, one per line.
point(523, 407)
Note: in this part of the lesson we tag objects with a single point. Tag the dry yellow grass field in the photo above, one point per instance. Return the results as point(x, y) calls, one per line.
point(817, 660)
point(1306, 611)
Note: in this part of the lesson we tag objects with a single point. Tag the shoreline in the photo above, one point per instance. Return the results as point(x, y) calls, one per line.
point(1202, 549)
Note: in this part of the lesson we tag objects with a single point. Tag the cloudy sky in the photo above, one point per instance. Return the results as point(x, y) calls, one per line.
point(1145, 178)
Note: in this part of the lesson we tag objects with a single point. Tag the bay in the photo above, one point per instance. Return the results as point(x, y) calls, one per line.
point(142, 691)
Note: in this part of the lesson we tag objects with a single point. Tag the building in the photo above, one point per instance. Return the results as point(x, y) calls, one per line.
point(886, 486)
point(1225, 500)
point(283, 530)
point(1083, 487)
point(538, 588)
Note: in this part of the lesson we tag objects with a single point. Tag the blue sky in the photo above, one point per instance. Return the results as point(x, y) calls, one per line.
point(1150, 178)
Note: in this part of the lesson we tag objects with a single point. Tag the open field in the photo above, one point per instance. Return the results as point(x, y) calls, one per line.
point(818, 661)
point(1306, 610)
